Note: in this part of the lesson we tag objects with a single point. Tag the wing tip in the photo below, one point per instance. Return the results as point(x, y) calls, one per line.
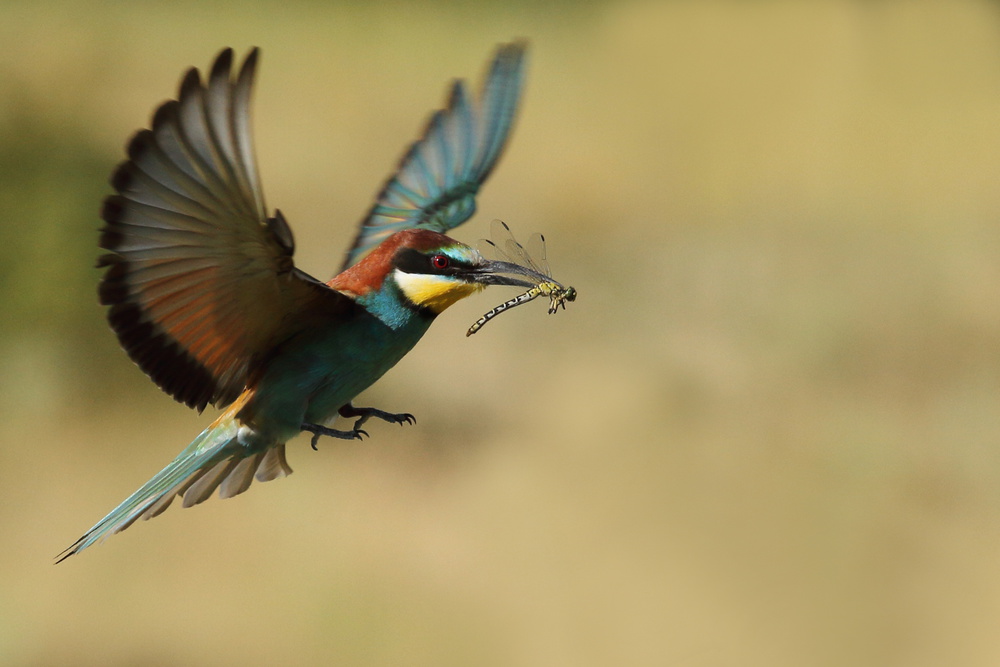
point(190, 82)
point(250, 61)
point(223, 64)
point(515, 48)
point(111, 211)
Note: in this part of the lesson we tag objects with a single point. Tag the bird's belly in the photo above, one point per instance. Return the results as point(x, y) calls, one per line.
point(311, 378)
point(349, 376)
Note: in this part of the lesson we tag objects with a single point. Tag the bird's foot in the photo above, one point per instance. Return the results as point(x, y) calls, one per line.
point(317, 431)
point(367, 413)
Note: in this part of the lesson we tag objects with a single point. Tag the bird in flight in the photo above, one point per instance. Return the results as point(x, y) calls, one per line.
point(205, 298)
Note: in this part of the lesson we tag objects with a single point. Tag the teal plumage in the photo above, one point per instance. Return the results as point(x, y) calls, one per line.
point(212, 446)
point(205, 298)
point(436, 182)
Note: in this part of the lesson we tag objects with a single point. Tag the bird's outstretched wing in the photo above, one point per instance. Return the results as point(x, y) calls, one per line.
point(436, 182)
point(200, 281)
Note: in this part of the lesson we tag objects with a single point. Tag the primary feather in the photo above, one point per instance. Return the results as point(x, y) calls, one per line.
point(200, 282)
point(436, 182)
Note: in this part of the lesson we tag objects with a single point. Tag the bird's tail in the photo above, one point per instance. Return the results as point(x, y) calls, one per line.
point(215, 459)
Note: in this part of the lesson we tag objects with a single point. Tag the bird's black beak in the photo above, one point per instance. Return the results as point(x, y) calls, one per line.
point(490, 272)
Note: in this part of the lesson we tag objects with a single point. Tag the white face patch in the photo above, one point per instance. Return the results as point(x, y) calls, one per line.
point(433, 292)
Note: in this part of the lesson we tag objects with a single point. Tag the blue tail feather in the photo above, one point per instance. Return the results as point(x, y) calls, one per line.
point(215, 444)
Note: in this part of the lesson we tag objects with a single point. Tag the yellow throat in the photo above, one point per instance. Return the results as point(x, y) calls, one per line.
point(433, 292)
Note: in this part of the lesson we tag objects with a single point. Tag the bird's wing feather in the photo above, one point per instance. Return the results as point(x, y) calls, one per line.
point(200, 282)
point(436, 182)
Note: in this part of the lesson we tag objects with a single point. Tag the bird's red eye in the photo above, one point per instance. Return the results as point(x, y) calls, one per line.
point(440, 262)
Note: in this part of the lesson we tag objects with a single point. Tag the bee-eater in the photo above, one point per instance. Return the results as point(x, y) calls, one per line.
point(205, 299)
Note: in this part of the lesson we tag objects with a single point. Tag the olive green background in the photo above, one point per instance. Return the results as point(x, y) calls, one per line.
point(766, 433)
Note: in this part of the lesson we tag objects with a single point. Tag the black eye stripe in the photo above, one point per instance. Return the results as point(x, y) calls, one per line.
point(414, 261)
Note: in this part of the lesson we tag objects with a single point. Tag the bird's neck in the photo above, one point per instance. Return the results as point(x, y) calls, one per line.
point(389, 304)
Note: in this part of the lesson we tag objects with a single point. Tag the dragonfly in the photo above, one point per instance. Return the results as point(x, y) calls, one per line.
point(514, 252)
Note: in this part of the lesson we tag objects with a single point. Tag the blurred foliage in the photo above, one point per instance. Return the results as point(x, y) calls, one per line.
point(50, 191)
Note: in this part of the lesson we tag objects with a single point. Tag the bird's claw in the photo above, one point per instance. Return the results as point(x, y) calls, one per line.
point(319, 431)
point(404, 418)
point(364, 414)
point(356, 433)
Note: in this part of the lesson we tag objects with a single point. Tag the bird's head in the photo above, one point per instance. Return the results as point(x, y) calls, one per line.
point(431, 270)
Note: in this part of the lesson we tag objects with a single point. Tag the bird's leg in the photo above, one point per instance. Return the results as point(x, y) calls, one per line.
point(365, 414)
point(318, 430)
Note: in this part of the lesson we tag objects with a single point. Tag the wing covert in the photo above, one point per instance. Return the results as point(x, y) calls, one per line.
point(200, 282)
point(436, 182)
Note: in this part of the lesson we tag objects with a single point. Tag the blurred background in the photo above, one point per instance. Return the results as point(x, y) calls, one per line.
point(765, 434)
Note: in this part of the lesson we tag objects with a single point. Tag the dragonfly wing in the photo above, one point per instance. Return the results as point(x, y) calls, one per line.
point(505, 247)
point(535, 250)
